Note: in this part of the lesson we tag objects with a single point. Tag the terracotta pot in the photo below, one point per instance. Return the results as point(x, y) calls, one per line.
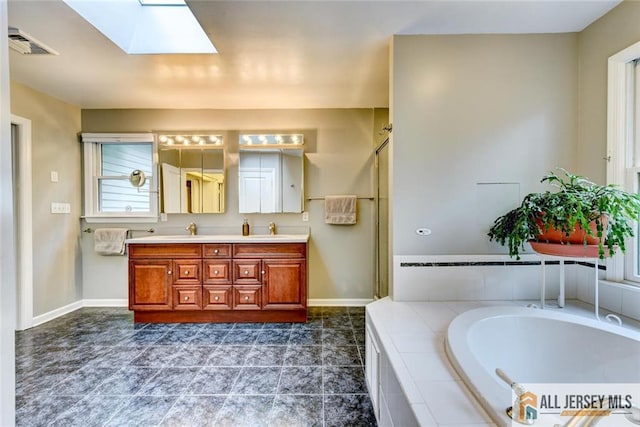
point(579, 235)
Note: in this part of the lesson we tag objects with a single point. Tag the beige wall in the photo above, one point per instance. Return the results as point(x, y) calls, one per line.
point(338, 160)
point(472, 110)
point(56, 250)
point(610, 34)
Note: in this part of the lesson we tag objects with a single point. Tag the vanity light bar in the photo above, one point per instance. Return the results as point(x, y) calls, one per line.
point(271, 139)
point(190, 140)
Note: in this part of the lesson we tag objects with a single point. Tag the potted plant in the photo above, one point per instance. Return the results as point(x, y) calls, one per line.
point(601, 215)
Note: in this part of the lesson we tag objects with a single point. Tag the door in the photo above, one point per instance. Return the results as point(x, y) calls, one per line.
point(150, 284)
point(22, 205)
point(284, 284)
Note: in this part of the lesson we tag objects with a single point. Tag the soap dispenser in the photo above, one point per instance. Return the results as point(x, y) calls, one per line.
point(245, 227)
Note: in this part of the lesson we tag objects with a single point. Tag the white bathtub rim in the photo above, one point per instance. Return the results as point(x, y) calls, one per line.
point(459, 355)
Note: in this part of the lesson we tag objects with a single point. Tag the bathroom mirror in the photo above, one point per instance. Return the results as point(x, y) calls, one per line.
point(192, 179)
point(270, 179)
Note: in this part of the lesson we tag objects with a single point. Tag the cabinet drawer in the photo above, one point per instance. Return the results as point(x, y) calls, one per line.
point(187, 272)
point(182, 250)
point(270, 250)
point(247, 297)
point(217, 297)
point(216, 272)
point(247, 272)
point(187, 297)
point(216, 250)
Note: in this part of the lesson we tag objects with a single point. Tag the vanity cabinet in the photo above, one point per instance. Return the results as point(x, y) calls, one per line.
point(225, 282)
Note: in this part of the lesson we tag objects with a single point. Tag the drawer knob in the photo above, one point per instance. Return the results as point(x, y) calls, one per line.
point(186, 273)
point(169, 272)
point(186, 298)
point(246, 272)
point(246, 298)
point(216, 298)
point(216, 251)
point(263, 272)
point(215, 272)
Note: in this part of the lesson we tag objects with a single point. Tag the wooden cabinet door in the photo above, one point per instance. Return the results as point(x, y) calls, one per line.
point(187, 272)
point(150, 284)
point(284, 284)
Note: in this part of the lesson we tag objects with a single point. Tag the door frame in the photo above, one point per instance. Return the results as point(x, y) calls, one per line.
point(24, 232)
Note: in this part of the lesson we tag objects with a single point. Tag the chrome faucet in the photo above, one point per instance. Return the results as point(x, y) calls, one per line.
point(272, 228)
point(192, 228)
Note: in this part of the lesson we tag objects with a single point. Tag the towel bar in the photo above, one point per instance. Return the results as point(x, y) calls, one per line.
point(359, 198)
point(150, 230)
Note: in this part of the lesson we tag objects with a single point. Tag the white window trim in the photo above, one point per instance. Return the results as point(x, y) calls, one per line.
point(619, 130)
point(90, 183)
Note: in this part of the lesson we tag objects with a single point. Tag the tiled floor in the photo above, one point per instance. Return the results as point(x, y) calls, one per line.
point(94, 367)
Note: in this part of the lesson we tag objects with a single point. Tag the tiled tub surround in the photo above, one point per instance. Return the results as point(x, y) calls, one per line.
point(418, 383)
point(498, 277)
point(94, 367)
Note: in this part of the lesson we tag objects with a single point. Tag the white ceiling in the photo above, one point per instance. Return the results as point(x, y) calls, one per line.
point(272, 54)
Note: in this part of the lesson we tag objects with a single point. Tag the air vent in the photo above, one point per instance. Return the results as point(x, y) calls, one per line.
point(25, 44)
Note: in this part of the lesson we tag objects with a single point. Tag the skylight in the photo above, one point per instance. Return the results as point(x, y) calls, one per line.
point(146, 26)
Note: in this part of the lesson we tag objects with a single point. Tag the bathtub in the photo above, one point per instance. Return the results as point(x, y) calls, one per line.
point(537, 346)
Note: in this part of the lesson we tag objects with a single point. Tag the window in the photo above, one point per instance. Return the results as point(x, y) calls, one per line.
point(623, 147)
point(109, 160)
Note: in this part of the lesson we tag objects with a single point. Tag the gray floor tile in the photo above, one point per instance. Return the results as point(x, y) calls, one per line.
point(300, 380)
point(194, 411)
point(241, 336)
point(297, 411)
point(273, 336)
point(127, 381)
point(142, 411)
point(41, 411)
point(214, 380)
point(266, 355)
point(90, 411)
point(169, 381)
point(192, 355)
point(341, 356)
point(306, 337)
point(343, 380)
point(257, 380)
point(229, 355)
point(303, 355)
point(245, 411)
point(83, 381)
point(348, 410)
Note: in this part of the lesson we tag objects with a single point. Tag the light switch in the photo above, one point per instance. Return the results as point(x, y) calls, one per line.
point(60, 208)
point(54, 176)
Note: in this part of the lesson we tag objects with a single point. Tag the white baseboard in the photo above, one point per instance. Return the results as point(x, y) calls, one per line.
point(105, 303)
point(43, 318)
point(338, 302)
point(46, 317)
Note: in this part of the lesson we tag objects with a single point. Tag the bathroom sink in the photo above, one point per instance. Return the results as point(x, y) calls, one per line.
point(217, 238)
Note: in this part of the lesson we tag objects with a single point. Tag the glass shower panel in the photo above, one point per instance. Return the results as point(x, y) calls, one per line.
point(382, 220)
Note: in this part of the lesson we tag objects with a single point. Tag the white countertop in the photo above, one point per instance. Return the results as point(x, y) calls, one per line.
point(221, 238)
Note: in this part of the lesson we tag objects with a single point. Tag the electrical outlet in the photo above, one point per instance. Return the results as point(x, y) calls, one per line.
point(54, 176)
point(305, 216)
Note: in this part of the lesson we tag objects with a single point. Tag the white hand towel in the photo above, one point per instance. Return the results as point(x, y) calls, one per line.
point(340, 209)
point(110, 241)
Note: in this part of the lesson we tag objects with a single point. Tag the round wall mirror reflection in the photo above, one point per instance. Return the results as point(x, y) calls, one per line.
point(137, 178)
